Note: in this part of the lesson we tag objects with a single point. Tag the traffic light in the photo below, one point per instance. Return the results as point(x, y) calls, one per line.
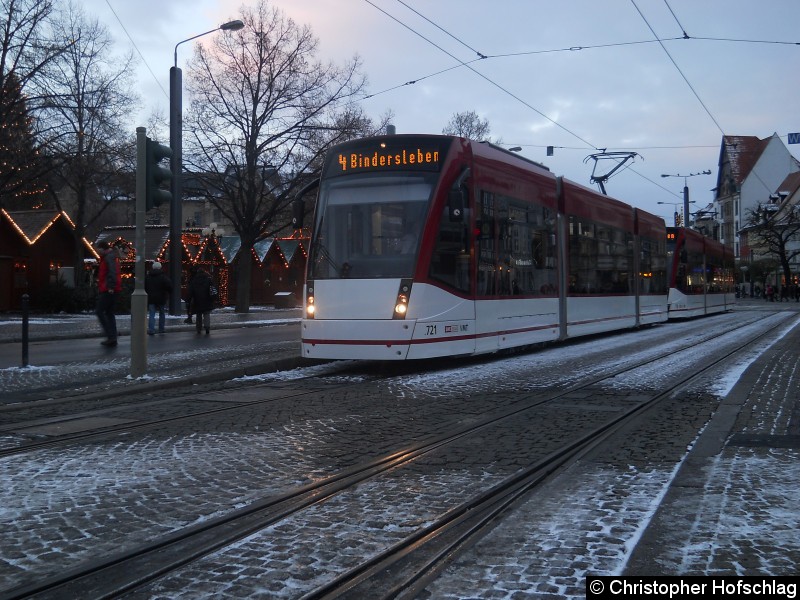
point(156, 175)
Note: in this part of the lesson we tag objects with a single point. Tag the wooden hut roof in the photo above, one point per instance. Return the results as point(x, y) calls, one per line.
point(289, 247)
point(229, 245)
point(156, 238)
point(32, 224)
point(262, 248)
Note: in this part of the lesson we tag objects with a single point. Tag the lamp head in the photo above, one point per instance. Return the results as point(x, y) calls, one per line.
point(232, 25)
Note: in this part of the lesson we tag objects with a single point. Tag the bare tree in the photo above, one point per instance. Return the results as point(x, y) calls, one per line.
point(25, 50)
point(86, 104)
point(469, 125)
point(774, 232)
point(263, 112)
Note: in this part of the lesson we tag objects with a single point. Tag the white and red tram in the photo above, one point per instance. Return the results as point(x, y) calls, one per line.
point(701, 274)
point(428, 246)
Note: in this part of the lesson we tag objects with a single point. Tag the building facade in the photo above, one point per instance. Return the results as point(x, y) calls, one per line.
point(750, 170)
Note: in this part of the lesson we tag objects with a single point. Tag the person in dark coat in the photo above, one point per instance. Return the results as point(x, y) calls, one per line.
point(192, 273)
point(158, 287)
point(201, 299)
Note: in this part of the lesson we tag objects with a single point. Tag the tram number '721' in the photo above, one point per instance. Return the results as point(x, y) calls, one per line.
point(449, 329)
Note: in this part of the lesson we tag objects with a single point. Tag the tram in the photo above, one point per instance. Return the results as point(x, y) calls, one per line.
point(429, 246)
point(701, 274)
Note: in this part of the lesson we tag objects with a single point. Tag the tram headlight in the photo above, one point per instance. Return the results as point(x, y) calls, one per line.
point(401, 307)
point(311, 308)
point(401, 304)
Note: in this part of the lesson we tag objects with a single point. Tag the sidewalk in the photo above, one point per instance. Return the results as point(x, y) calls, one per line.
point(85, 325)
point(734, 505)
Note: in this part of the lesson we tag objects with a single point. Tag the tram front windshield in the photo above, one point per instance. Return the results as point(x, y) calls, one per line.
point(369, 226)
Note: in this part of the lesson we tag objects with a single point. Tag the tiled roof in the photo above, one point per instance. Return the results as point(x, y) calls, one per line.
point(791, 184)
point(743, 152)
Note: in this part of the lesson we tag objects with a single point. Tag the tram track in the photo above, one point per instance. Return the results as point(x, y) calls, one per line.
point(179, 395)
point(405, 569)
point(127, 571)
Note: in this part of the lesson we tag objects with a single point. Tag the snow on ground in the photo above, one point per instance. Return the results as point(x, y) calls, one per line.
point(608, 509)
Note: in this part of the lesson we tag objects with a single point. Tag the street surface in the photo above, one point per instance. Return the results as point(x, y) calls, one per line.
point(735, 500)
point(66, 358)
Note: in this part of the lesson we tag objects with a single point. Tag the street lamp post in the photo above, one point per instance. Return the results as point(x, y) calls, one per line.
point(675, 216)
point(176, 165)
point(685, 192)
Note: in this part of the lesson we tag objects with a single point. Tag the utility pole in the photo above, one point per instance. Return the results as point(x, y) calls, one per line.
point(686, 192)
point(139, 296)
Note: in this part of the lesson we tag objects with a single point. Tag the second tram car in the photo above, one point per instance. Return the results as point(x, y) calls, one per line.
point(428, 246)
point(701, 274)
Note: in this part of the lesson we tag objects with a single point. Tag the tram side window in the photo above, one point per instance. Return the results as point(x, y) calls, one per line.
point(600, 258)
point(486, 223)
point(695, 280)
point(531, 250)
point(719, 277)
point(516, 248)
point(450, 260)
point(653, 267)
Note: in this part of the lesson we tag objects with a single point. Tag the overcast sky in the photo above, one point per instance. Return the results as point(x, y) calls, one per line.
point(582, 75)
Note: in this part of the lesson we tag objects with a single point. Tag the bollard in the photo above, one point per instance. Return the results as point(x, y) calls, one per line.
point(25, 299)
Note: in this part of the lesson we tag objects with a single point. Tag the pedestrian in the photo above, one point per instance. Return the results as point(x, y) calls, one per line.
point(784, 293)
point(769, 294)
point(109, 285)
point(201, 295)
point(192, 273)
point(797, 292)
point(158, 287)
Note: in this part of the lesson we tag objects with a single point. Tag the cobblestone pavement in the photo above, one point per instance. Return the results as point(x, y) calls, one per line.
point(731, 506)
point(57, 506)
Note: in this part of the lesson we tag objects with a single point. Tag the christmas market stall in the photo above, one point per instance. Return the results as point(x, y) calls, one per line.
point(278, 267)
point(123, 239)
point(37, 253)
point(204, 249)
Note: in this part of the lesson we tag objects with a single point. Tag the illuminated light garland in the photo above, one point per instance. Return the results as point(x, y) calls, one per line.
point(31, 242)
point(200, 251)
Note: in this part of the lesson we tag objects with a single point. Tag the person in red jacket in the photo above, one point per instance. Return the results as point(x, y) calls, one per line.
point(109, 285)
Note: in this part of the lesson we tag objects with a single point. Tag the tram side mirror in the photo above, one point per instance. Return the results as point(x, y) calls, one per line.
point(455, 204)
point(299, 205)
point(457, 198)
point(298, 210)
